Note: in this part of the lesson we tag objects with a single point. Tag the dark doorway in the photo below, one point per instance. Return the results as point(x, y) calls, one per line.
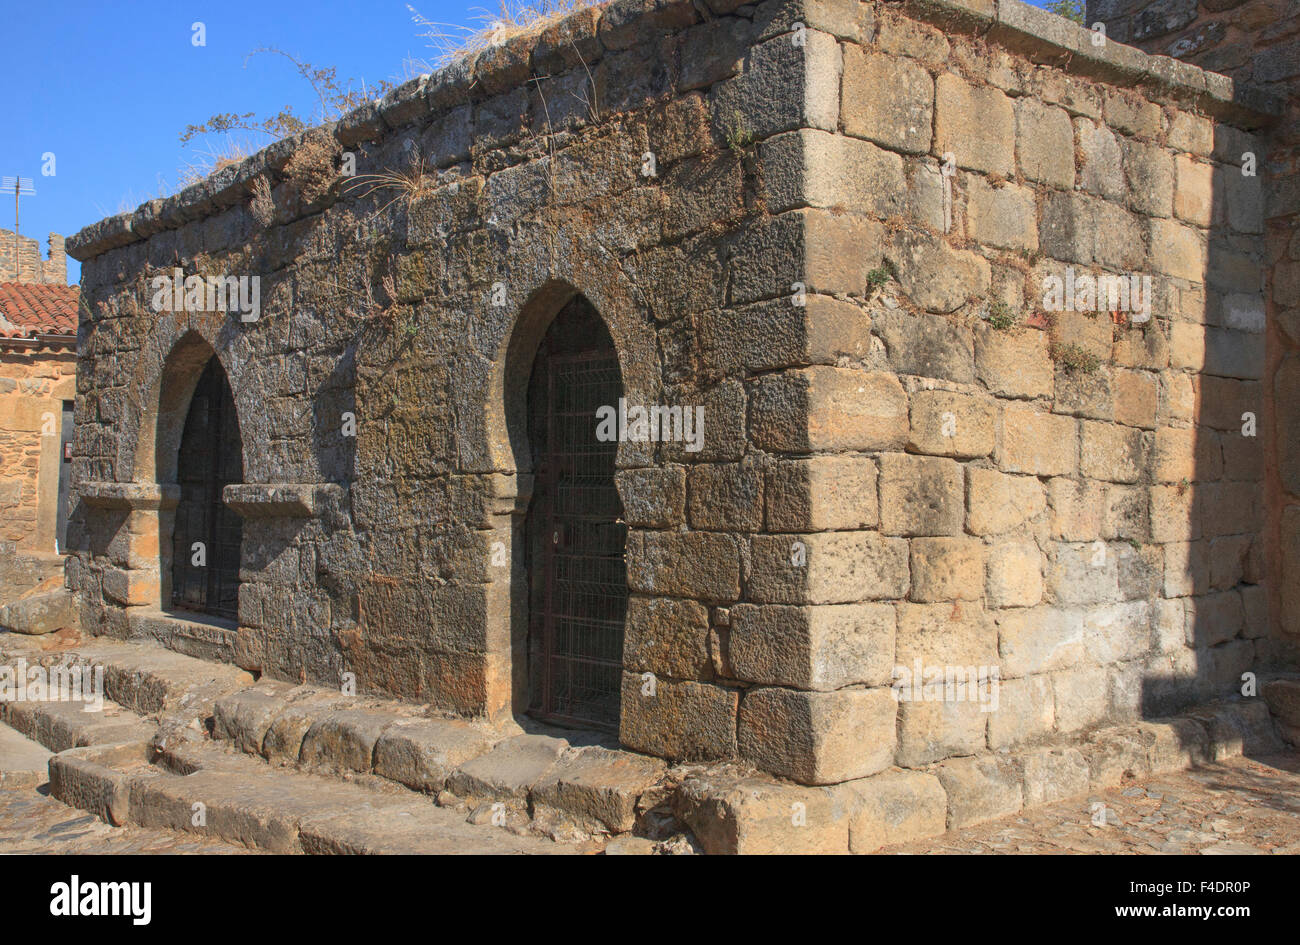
point(65, 477)
point(577, 574)
point(206, 579)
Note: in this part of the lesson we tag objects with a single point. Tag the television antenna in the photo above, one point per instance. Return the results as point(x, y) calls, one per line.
point(21, 186)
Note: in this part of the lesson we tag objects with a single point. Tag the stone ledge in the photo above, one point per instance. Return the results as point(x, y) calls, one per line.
point(1047, 38)
point(135, 496)
point(281, 499)
point(1042, 36)
point(204, 638)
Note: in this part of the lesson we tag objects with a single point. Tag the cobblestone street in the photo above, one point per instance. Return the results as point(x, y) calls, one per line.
point(1239, 806)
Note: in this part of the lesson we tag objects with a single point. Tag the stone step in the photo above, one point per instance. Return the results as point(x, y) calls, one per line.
point(62, 725)
point(491, 771)
point(142, 676)
point(23, 762)
point(574, 790)
point(206, 789)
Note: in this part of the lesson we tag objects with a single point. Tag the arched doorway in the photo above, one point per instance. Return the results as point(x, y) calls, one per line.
point(206, 534)
point(574, 534)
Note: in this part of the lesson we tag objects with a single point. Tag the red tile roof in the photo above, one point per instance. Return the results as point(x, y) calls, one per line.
point(36, 308)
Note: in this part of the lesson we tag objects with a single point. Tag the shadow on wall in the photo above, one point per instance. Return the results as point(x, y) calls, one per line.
point(1208, 499)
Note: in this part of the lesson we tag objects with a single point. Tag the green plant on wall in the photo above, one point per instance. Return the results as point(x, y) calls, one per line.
point(1070, 9)
point(1001, 316)
point(1074, 358)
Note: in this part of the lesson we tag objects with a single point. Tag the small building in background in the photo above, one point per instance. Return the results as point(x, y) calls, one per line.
point(38, 369)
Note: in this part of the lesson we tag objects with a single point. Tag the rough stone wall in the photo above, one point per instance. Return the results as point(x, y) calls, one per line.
point(29, 266)
point(891, 470)
point(1257, 43)
point(34, 382)
point(1070, 499)
point(533, 189)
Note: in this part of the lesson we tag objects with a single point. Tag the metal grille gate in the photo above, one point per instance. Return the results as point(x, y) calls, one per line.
point(584, 600)
point(210, 458)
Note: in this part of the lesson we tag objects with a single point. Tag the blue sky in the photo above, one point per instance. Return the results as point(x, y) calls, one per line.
point(108, 87)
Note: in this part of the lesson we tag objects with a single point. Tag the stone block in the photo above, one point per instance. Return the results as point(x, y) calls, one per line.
point(825, 408)
point(1054, 774)
point(1149, 171)
point(823, 493)
point(893, 807)
point(1039, 640)
point(1002, 216)
point(938, 279)
point(344, 740)
point(730, 815)
point(1177, 250)
point(702, 565)
point(1100, 169)
point(666, 636)
point(423, 753)
point(979, 789)
point(687, 721)
point(930, 730)
point(1015, 575)
point(598, 788)
point(1194, 191)
point(956, 634)
point(823, 647)
point(1111, 453)
point(997, 503)
point(1023, 713)
point(920, 495)
point(1044, 143)
point(653, 498)
point(827, 568)
point(947, 569)
point(1014, 363)
point(1080, 698)
point(508, 771)
point(784, 87)
point(901, 120)
point(726, 497)
point(1136, 398)
point(946, 423)
point(976, 124)
point(1038, 443)
point(818, 737)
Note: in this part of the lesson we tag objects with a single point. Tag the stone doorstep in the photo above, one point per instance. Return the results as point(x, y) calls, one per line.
point(144, 677)
point(283, 811)
point(731, 810)
point(463, 763)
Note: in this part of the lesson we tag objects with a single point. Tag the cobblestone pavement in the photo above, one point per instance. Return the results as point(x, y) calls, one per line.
point(1242, 805)
point(32, 822)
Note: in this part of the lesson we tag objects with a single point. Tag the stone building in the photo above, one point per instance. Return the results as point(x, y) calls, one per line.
point(951, 322)
point(37, 387)
point(20, 260)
